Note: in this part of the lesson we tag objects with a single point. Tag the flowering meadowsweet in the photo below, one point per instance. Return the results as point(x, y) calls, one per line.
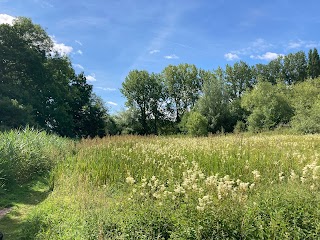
point(244, 186)
point(293, 176)
point(179, 189)
point(212, 181)
point(316, 173)
point(130, 180)
point(281, 176)
point(256, 175)
point(203, 202)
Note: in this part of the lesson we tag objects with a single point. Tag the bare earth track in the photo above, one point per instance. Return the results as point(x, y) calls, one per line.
point(4, 211)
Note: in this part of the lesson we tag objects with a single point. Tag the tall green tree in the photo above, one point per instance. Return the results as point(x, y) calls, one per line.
point(143, 92)
point(313, 64)
point(295, 67)
point(183, 87)
point(271, 72)
point(239, 78)
point(38, 86)
point(213, 103)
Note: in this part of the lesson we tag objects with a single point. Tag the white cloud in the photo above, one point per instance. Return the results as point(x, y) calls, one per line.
point(77, 41)
point(231, 56)
point(154, 51)
point(257, 46)
point(78, 66)
point(80, 52)
point(112, 103)
point(312, 45)
point(60, 48)
point(295, 44)
point(172, 56)
point(260, 44)
point(91, 78)
point(107, 89)
point(302, 44)
point(6, 19)
point(267, 56)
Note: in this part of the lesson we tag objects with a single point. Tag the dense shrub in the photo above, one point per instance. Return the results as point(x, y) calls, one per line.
point(197, 124)
point(306, 102)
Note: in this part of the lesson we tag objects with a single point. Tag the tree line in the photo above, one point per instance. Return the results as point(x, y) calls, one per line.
point(39, 87)
point(182, 98)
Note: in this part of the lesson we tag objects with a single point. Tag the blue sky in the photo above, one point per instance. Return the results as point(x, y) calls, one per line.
point(106, 39)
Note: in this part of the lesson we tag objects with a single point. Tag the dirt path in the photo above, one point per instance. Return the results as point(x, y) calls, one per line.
point(4, 211)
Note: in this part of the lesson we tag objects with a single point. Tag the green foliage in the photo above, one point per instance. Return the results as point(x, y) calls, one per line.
point(213, 104)
point(313, 63)
point(295, 67)
point(284, 212)
point(271, 72)
point(128, 121)
point(268, 105)
point(11, 107)
point(306, 103)
point(143, 92)
point(240, 127)
point(39, 87)
point(239, 77)
point(197, 124)
point(182, 86)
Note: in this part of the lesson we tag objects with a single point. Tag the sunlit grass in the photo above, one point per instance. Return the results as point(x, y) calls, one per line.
point(26, 160)
point(233, 186)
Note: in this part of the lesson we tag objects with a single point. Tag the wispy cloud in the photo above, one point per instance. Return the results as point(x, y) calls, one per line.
point(312, 45)
point(6, 19)
point(112, 103)
point(107, 89)
point(257, 46)
point(295, 44)
point(91, 78)
point(44, 4)
point(60, 48)
point(154, 51)
point(80, 43)
point(267, 56)
point(170, 14)
point(79, 52)
point(172, 56)
point(231, 56)
point(78, 66)
point(82, 21)
point(302, 44)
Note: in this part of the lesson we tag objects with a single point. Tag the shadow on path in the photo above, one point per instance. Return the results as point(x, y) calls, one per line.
point(20, 199)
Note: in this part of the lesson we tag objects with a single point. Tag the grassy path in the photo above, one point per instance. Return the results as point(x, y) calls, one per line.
point(21, 200)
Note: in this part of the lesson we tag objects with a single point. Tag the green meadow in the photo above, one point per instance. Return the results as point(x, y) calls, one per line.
point(261, 186)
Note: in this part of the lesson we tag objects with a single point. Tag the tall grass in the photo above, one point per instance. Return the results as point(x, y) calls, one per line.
point(28, 153)
point(221, 187)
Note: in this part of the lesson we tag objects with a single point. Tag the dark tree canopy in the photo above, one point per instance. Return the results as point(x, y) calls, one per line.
point(39, 87)
point(313, 64)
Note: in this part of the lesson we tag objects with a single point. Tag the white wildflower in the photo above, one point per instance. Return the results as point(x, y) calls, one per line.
point(130, 180)
point(256, 175)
